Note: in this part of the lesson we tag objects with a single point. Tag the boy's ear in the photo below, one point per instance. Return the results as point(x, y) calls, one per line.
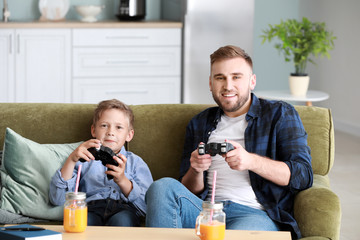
point(130, 135)
point(93, 131)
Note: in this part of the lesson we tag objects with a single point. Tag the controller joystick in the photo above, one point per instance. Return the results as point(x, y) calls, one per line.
point(215, 148)
point(103, 154)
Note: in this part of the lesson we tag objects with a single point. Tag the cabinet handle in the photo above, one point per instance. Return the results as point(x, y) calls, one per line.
point(10, 44)
point(18, 43)
point(128, 92)
point(126, 61)
point(126, 37)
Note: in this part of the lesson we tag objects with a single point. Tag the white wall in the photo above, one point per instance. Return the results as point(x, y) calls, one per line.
point(338, 76)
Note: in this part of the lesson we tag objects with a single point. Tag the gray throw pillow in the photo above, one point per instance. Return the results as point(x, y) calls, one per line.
point(26, 171)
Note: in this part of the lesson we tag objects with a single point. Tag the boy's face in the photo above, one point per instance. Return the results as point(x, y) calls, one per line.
point(112, 129)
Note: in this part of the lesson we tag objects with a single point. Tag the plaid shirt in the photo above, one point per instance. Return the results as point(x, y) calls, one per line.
point(274, 130)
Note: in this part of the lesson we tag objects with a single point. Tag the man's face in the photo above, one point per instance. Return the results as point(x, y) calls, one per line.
point(231, 82)
point(112, 129)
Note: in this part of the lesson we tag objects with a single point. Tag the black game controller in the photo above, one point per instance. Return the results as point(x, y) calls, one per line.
point(105, 155)
point(215, 148)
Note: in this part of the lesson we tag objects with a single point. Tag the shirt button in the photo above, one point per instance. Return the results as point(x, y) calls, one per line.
point(114, 191)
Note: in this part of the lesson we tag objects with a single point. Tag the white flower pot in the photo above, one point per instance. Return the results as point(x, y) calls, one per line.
point(299, 85)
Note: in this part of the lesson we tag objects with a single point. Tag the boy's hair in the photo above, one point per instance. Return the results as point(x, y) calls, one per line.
point(113, 104)
point(228, 52)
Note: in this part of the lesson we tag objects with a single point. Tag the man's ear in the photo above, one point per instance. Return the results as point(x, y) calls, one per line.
point(252, 82)
point(130, 135)
point(210, 86)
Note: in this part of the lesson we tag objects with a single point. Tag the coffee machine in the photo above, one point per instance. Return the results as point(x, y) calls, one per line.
point(131, 10)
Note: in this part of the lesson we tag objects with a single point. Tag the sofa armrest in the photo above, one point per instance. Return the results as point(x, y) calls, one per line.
point(317, 211)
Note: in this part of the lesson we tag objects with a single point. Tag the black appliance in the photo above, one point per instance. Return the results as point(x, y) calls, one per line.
point(131, 10)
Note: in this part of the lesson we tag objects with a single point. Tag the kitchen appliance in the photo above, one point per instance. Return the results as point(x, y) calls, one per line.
point(132, 10)
point(208, 25)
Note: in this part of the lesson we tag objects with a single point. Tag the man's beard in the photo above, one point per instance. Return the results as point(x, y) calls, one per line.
point(234, 107)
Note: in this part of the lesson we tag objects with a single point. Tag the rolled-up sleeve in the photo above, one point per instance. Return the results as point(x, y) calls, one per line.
point(59, 187)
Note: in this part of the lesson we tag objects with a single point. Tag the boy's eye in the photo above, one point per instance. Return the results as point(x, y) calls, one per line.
point(119, 127)
point(103, 125)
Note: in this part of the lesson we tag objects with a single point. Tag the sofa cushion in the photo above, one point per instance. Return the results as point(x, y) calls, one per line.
point(26, 171)
point(318, 124)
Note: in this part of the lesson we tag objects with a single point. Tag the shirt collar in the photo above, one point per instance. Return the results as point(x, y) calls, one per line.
point(255, 108)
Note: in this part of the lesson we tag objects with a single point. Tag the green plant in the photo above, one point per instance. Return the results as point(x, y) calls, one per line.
point(299, 40)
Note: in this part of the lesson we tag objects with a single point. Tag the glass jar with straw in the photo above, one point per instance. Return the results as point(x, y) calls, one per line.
point(210, 224)
point(75, 209)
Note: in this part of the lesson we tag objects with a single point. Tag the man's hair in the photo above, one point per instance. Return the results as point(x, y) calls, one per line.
point(113, 104)
point(228, 52)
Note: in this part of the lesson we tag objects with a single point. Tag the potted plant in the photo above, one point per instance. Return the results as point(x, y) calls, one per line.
point(299, 41)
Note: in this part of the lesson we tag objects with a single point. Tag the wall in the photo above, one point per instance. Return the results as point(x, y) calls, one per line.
point(28, 10)
point(338, 76)
point(270, 68)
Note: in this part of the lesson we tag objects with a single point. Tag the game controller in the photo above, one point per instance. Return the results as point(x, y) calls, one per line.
point(105, 155)
point(215, 148)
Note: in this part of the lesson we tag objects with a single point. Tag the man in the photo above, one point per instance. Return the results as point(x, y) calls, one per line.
point(258, 180)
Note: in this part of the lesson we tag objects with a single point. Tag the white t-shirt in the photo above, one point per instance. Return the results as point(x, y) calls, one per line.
point(230, 184)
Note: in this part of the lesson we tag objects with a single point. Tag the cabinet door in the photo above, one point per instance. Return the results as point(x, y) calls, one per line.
point(43, 64)
point(7, 59)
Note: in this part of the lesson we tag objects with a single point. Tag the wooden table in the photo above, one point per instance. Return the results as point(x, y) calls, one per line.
point(141, 233)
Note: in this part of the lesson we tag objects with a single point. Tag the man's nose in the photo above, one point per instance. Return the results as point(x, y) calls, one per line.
point(228, 84)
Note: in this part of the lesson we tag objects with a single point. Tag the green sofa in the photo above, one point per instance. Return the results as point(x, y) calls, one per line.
point(159, 138)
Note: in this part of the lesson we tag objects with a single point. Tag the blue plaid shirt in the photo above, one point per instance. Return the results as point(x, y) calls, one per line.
point(274, 130)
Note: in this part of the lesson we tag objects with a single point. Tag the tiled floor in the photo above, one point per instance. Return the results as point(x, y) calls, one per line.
point(345, 182)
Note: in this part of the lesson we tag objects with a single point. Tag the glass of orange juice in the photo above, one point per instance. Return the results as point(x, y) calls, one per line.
point(210, 224)
point(75, 212)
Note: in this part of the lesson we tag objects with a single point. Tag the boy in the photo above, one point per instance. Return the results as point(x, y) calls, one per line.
point(118, 201)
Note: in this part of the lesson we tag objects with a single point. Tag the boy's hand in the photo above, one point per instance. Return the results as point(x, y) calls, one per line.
point(118, 172)
point(82, 150)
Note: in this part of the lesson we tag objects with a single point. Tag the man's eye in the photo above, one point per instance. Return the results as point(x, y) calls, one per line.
point(219, 78)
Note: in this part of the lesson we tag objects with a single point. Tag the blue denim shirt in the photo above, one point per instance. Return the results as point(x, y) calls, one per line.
point(94, 182)
point(274, 130)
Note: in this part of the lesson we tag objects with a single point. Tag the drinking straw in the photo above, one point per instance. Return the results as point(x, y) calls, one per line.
point(213, 195)
point(78, 178)
point(213, 188)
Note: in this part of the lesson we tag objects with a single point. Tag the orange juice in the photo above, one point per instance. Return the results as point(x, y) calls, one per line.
point(212, 231)
point(75, 219)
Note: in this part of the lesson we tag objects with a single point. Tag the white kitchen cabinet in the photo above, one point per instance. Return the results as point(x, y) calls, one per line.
point(7, 65)
point(137, 65)
point(35, 65)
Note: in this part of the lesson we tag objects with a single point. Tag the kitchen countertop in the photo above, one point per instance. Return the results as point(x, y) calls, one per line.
point(100, 24)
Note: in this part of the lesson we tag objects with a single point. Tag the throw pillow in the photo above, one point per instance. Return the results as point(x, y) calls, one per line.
point(26, 171)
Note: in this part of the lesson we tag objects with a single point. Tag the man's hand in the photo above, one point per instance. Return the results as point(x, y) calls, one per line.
point(194, 177)
point(200, 163)
point(239, 159)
